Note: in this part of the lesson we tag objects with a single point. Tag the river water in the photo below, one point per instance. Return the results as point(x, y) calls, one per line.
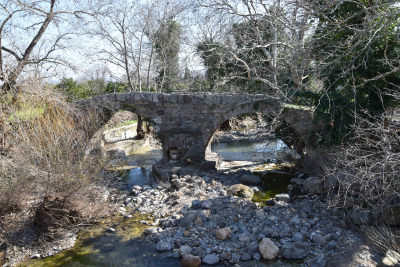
point(127, 245)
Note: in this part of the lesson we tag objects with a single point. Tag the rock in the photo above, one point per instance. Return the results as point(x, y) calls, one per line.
point(189, 217)
point(245, 256)
point(241, 190)
point(183, 250)
point(316, 262)
point(174, 255)
point(391, 215)
point(163, 246)
point(311, 184)
point(298, 181)
point(297, 237)
point(189, 260)
point(268, 249)
point(290, 187)
point(196, 204)
point(390, 259)
point(206, 204)
point(319, 240)
point(250, 179)
point(260, 214)
point(244, 238)
point(361, 216)
point(283, 197)
point(257, 256)
point(211, 259)
point(223, 233)
point(175, 170)
point(35, 256)
point(151, 231)
point(295, 250)
point(332, 245)
point(218, 220)
point(111, 230)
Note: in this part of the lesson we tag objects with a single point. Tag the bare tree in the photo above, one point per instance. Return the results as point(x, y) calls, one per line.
point(23, 35)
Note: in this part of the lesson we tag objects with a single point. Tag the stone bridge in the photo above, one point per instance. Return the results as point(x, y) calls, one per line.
point(186, 123)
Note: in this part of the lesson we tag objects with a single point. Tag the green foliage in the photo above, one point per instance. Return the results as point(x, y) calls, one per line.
point(167, 46)
point(81, 90)
point(73, 89)
point(351, 86)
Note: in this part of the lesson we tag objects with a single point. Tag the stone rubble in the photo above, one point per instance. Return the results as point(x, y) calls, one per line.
point(203, 221)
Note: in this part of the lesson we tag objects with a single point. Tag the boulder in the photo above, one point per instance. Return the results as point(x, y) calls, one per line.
point(223, 233)
point(268, 249)
point(295, 250)
point(242, 191)
point(250, 179)
point(311, 184)
point(189, 260)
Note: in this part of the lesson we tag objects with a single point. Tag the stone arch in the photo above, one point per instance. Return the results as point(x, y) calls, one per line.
point(299, 119)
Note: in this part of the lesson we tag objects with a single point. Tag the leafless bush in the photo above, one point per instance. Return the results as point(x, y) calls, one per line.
point(44, 169)
point(382, 238)
point(365, 172)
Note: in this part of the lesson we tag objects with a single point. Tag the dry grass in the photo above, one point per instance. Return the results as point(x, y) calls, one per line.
point(43, 168)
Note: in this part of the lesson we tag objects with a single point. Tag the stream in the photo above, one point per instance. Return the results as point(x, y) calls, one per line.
point(127, 246)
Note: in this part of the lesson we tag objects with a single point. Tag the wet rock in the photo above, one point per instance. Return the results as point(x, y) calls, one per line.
point(163, 246)
point(241, 190)
point(295, 250)
point(283, 197)
point(189, 260)
point(250, 179)
point(223, 233)
point(110, 230)
point(206, 204)
point(211, 259)
point(268, 249)
point(107, 248)
point(311, 184)
point(35, 256)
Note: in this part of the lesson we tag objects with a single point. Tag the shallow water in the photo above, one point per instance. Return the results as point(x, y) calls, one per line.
point(243, 150)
